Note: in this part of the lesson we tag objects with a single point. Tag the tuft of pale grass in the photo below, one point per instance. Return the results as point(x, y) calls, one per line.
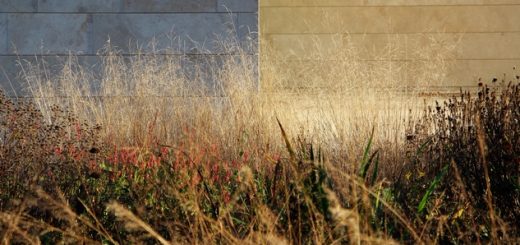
point(132, 222)
point(334, 99)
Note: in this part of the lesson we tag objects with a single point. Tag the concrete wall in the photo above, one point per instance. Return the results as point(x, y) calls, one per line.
point(53, 28)
point(487, 32)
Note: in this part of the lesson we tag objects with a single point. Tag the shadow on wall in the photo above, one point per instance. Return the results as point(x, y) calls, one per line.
point(50, 30)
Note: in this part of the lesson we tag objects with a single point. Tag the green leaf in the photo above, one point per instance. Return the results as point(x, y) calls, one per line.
point(311, 154)
point(385, 194)
point(105, 167)
point(363, 167)
point(377, 198)
point(375, 172)
point(423, 146)
point(436, 181)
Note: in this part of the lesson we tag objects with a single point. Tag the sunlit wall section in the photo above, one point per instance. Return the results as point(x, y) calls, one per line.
point(400, 44)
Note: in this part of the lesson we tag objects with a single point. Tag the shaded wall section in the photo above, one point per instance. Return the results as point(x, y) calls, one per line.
point(52, 29)
point(484, 36)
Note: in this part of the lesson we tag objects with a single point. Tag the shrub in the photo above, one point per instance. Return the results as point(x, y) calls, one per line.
point(467, 160)
point(38, 151)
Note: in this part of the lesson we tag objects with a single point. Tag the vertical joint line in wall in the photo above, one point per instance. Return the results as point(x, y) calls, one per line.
point(37, 5)
point(7, 34)
point(236, 23)
point(259, 47)
point(121, 6)
point(407, 64)
point(90, 34)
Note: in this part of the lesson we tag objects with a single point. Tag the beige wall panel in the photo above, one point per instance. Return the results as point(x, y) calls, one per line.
point(468, 71)
point(398, 43)
point(348, 74)
point(277, 3)
point(397, 46)
point(304, 46)
point(416, 19)
point(439, 2)
point(460, 73)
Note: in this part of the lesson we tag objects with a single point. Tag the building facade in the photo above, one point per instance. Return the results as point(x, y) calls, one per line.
point(479, 38)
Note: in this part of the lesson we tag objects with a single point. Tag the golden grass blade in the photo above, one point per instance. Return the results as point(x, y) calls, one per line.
point(286, 140)
point(133, 221)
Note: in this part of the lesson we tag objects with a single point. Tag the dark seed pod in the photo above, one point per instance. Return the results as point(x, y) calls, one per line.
point(94, 150)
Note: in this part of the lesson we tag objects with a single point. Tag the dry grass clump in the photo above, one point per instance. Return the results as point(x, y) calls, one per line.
point(131, 93)
point(337, 91)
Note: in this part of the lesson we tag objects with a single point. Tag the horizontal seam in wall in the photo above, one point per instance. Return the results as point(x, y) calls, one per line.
point(444, 89)
point(384, 33)
point(125, 13)
point(400, 60)
point(128, 96)
point(387, 6)
point(250, 54)
point(379, 33)
point(60, 55)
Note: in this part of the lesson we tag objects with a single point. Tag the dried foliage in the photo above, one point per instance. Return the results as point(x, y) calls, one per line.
point(469, 146)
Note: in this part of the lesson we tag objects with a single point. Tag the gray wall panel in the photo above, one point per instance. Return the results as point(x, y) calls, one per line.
point(3, 33)
point(12, 79)
point(18, 5)
point(50, 29)
point(48, 33)
point(185, 33)
point(79, 6)
point(235, 6)
point(247, 25)
point(247, 31)
point(169, 5)
point(9, 81)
